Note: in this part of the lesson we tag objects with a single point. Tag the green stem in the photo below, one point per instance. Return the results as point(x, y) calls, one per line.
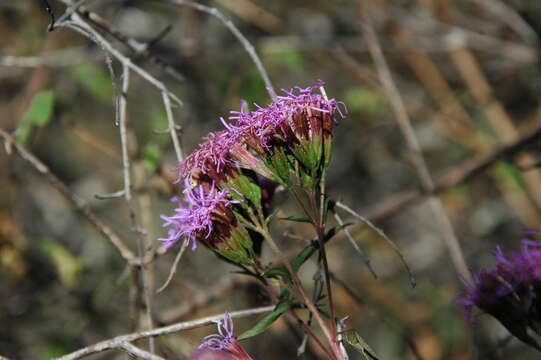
point(320, 230)
point(330, 338)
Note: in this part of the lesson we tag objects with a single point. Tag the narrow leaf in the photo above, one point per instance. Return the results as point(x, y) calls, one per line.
point(303, 256)
point(335, 230)
point(38, 114)
point(303, 219)
point(353, 338)
point(267, 321)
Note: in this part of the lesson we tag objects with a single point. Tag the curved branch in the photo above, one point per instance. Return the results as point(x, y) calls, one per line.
point(236, 32)
point(120, 341)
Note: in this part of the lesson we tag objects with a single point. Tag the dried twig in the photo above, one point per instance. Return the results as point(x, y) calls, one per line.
point(173, 269)
point(204, 298)
point(236, 32)
point(57, 58)
point(357, 248)
point(380, 232)
point(359, 300)
point(77, 23)
point(77, 203)
point(415, 149)
point(172, 127)
point(118, 341)
point(508, 15)
point(138, 47)
point(135, 351)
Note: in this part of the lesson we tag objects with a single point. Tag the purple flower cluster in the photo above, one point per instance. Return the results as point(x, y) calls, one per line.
point(510, 291)
point(292, 120)
point(268, 143)
point(195, 220)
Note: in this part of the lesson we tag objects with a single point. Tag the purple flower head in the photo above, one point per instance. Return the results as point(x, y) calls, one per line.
point(196, 219)
point(510, 291)
point(212, 160)
point(297, 126)
point(300, 113)
point(225, 341)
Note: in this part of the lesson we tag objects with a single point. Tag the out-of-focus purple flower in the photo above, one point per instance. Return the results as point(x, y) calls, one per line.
point(510, 291)
point(225, 341)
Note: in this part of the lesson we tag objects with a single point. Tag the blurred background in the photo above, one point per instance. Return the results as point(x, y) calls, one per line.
point(468, 73)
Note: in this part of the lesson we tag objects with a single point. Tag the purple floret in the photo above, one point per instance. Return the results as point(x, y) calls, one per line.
point(267, 123)
point(194, 219)
point(222, 340)
point(212, 155)
point(225, 341)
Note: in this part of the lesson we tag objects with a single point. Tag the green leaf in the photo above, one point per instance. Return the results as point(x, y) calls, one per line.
point(277, 272)
point(510, 175)
point(38, 114)
point(335, 230)
point(291, 58)
point(151, 157)
point(364, 99)
point(68, 266)
point(268, 320)
point(353, 338)
point(304, 255)
point(95, 80)
point(303, 219)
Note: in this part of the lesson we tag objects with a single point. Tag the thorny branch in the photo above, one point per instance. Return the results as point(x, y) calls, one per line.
point(118, 341)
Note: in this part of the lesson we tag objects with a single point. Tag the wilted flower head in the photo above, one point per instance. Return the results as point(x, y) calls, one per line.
point(225, 341)
point(510, 291)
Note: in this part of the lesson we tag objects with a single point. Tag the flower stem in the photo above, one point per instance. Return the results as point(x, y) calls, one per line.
point(320, 230)
point(328, 334)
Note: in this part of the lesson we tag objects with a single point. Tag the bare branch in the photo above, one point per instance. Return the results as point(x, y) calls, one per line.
point(353, 243)
point(236, 32)
point(116, 194)
point(76, 202)
point(139, 48)
point(172, 127)
point(380, 232)
point(123, 136)
point(80, 23)
point(119, 340)
point(404, 123)
point(459, 174)
point(57, 58)
point(173, 269)
point(134, 350)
